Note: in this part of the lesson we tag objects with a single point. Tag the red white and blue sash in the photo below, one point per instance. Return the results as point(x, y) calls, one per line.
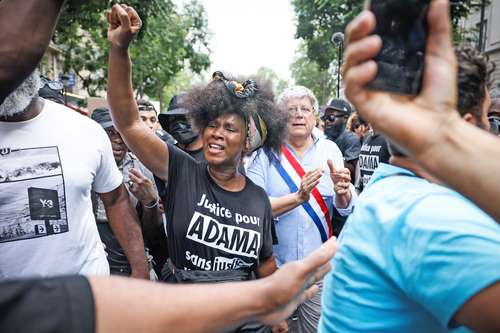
point(292, 172)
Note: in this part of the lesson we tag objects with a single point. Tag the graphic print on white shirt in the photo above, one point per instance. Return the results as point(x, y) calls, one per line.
point(32, 194)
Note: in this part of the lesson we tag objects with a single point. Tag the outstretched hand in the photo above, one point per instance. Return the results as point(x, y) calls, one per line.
point(123, 24)
point(414, 123)
point(294, 283)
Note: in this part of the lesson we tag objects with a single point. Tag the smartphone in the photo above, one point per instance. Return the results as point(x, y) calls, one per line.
point(402, 25)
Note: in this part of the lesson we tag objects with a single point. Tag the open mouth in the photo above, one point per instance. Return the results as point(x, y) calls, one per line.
point(215, 148)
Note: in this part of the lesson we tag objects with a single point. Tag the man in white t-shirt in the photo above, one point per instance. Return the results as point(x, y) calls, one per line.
point(50, 159)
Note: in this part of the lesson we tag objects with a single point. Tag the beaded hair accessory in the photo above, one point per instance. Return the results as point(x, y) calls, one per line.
point(241, 90)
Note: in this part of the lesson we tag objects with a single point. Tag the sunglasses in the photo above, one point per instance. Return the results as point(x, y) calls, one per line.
point(332, 117)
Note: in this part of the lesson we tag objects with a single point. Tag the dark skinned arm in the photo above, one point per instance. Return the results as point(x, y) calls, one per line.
point(124, 24)
point(480, 313)
point(145, 192)
point(130, 305)
point(151, 222)
point(27, 28)
point(125, 225)
point(267, 267)
point(156, 307)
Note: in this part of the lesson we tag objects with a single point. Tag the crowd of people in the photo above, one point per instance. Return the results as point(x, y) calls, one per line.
point(230, 202)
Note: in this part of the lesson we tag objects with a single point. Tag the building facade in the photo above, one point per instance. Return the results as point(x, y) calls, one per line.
point(491, 33)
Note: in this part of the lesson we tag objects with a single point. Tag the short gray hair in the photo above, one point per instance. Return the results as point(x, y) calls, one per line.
point(298, 92)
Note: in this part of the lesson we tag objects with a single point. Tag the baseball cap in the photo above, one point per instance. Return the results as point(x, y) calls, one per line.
point(103, 117)
point(494, 124)
point(174, 109)
point(340, 105)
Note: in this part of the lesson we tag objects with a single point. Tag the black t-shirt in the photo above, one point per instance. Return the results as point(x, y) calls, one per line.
point(197, 155)
point(47, 306)
point(373, 152)
point(210, 228)
point(349, 145)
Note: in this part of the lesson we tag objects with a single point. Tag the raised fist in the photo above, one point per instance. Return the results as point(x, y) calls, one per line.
point(123, 24)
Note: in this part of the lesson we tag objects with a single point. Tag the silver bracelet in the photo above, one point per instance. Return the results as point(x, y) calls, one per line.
point(153, 205)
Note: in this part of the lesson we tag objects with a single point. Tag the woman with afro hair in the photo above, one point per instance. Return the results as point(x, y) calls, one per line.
point(219, 223)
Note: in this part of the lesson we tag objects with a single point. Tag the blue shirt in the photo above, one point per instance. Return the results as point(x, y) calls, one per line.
point(297, 234)
point(410, 256)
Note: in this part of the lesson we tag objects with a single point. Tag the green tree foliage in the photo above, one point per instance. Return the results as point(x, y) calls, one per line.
point(278, 83)
point(183, 82)
point(318, 20)
point(170, 40)
point(309, 74)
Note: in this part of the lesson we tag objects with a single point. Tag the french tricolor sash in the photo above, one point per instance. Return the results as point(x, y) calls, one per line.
point(292, 172)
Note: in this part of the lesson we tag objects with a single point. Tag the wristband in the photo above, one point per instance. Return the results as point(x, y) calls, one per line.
point(153, 204)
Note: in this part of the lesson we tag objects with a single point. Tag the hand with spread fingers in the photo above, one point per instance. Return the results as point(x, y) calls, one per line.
point(341, 179)
point(308, 183)
point(295, 282)
point(142, 188)
point(123, 25)
point(415, 123)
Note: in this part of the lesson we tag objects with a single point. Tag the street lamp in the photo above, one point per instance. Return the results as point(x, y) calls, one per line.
point(482, 5)
point(481, 26)
point(338, 39)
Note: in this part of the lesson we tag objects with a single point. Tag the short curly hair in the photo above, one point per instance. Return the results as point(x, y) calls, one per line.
point(208, 102)
point(474, 79)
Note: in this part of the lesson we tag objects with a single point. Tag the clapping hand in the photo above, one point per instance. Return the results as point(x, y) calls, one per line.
point(309, 181)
